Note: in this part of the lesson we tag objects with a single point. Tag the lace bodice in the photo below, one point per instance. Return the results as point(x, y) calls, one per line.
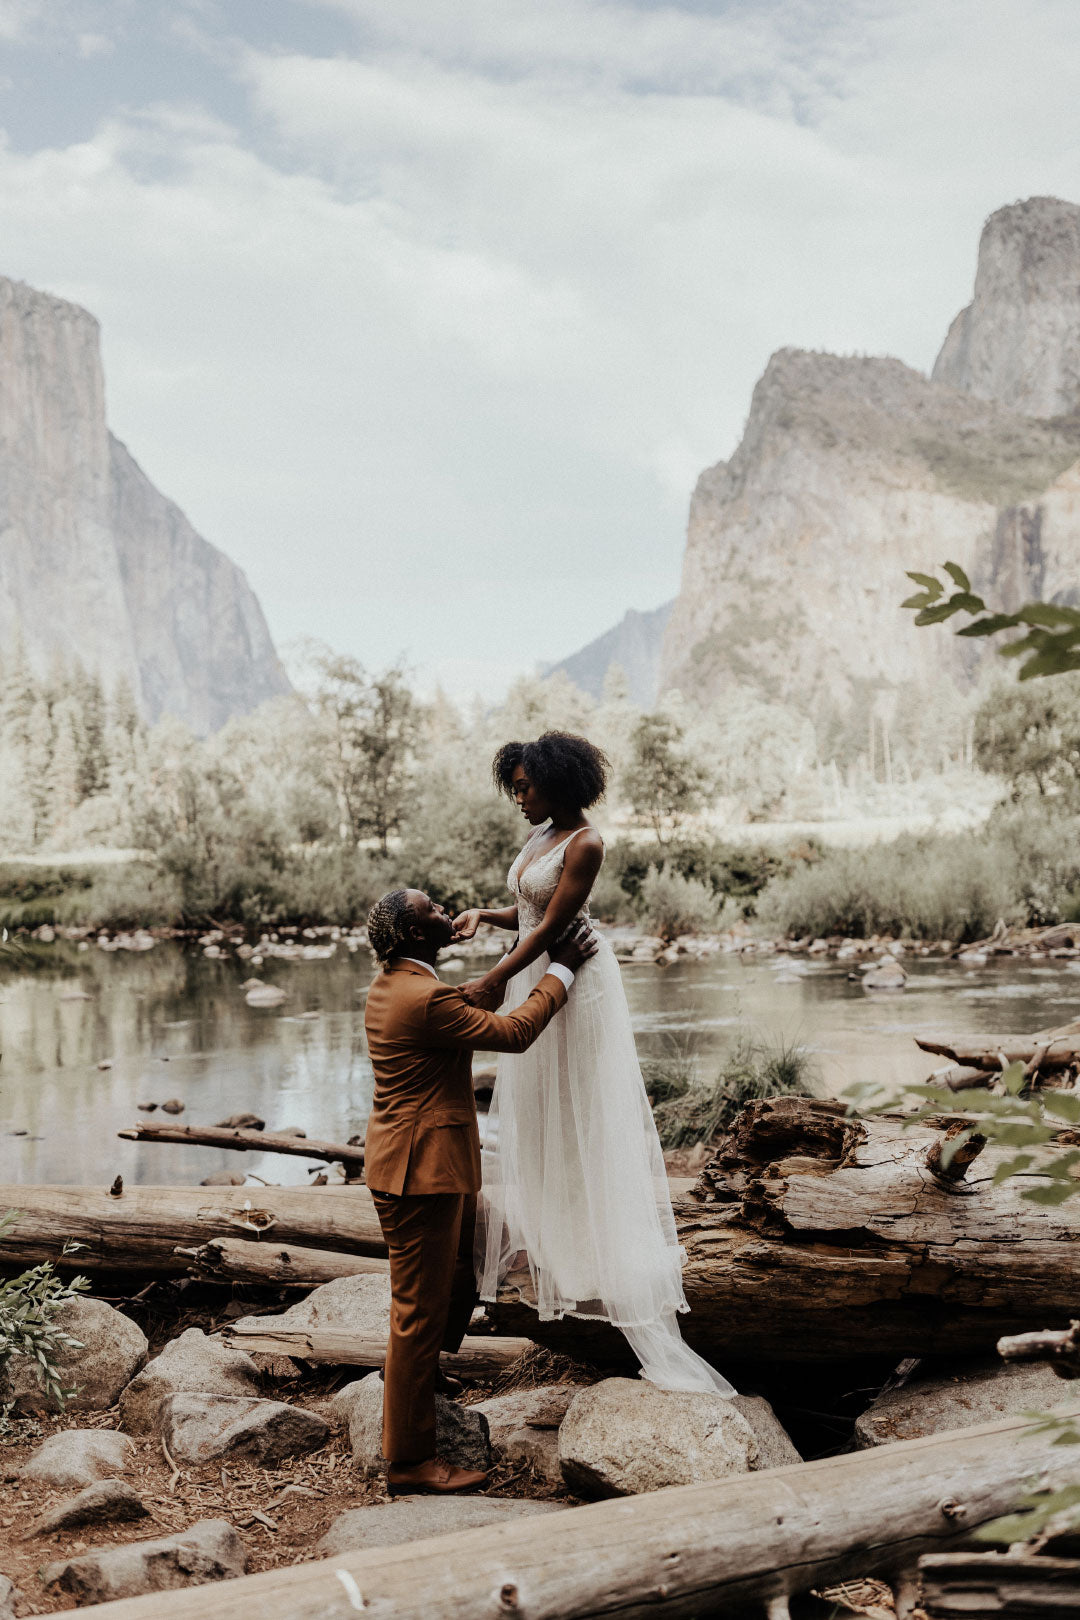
point(533, 879)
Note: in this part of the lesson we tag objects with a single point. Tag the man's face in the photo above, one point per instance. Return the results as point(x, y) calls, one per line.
point(432, 920)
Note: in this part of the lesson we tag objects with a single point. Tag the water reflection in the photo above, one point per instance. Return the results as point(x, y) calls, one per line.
point(173, 1023)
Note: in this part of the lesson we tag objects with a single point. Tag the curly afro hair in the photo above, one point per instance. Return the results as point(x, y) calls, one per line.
point(569, 771)
point(388, 924)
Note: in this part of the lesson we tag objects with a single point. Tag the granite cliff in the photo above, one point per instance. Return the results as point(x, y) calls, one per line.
point(95, 563)
point(852, 470)
point(634, 645)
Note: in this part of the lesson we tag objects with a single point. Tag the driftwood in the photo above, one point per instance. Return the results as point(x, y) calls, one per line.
point(142, 1229)
point(479, 1357)
point(732, 1547)
point(978, 1586)
point(812, 1235)
point(248, 1141)
point(1061, 1349)
point(987, 1052)
point(279, 1264)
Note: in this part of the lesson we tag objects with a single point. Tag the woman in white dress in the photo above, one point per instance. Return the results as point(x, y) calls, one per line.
point(573, 1172)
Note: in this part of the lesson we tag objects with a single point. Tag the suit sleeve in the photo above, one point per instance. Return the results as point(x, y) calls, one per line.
point(451, 1022)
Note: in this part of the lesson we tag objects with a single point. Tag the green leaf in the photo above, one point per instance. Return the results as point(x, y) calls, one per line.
point(936, 614)
point(957, 575)
point(928, 582)
point(1056, 1193)
point(1049, 614)
point(1013, 1079)
point(964, 602)
point(1012, 1167)
point(921, 599)
point(990, 625)
point(1063, 1104)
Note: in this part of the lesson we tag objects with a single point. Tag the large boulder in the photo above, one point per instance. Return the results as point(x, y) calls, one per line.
point(461, 1432)
point(775, 1448)
point(625, 1436)
point(524, 1426)
point(199, 1428)
point(412, 1518)
point(106, 1502)
point(359, 1305)
point(969, 1392)
point(77, 1457)
point(191, 1363)
point(210, 1550)
point(111, 1348)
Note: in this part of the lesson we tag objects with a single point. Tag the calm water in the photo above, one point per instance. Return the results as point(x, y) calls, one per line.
point(174, 1023)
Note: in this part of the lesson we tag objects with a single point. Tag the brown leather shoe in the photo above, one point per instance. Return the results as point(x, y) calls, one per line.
point(446, 1384)
point(434, 1477)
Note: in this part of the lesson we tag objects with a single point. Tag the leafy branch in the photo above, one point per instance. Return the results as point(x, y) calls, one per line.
point(1049, 646)
point(29, 1304)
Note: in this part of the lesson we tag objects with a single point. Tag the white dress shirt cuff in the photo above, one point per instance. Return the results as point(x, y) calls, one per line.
point(565, 974)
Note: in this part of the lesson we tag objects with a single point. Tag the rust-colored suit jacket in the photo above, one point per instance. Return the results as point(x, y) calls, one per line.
point(422, 1135)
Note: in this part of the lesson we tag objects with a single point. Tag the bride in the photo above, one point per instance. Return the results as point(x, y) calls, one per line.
point(573, 1173)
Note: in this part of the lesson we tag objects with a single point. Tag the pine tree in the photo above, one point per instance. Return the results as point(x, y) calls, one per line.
point(64, 771)
point(93, 757)
point(38, 758)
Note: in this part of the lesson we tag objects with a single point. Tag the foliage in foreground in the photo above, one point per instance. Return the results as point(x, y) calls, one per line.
point(688, 1111)
point(29, 1304)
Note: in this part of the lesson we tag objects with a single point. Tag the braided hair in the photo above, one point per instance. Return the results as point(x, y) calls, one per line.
point(388, 924)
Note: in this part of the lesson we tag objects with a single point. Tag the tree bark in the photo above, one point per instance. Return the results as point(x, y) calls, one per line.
point(811, 1235)
point(980, 1585)
point(248, 1141)
point(1061, 1349)
point(276, 1264)
point(141, 1230)
point(732, 1547)
point(479, 1356)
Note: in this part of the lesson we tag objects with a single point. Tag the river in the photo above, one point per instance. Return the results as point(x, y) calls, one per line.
point(86, 1035)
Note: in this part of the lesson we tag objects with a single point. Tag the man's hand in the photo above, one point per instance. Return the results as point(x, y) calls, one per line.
point(478, 993)
point(576, 946)
point(466, 923)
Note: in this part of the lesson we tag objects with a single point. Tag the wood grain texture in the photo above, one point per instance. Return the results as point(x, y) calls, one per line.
point(247, 1141)
point(277, 1264)
point(478, 1357)
point(979, 1586)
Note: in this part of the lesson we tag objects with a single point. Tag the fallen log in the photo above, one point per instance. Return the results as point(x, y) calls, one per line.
point(142, 1228)
point(811, 1235)
point(277, 1264)
point(989, 1051)
point(1061, 1349)
point(248, 1141)
point(985, 1584)
point(479, 1356)
point(732, 1547)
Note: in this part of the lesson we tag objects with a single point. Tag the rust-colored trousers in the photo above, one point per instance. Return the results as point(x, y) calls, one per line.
point(433, 1289)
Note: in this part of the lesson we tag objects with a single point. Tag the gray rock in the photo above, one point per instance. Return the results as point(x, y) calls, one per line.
point(524, 1426)
point(412, 1518)
point(210, 1550)
point(9, 1596)
point(774, 1445)
point(106, 1502)
point(112, 1349)
point(77, 1457)
point(359, 1305)
point(191, 1363)
point(624, 1436)
point(974, 1391)
point(197, 1428)
point(461, 1432)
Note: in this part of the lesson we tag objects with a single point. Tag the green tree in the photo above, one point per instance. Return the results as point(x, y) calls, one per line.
point(63, 781)
point(663, 782)
point(1030, 735)
point(373, 727)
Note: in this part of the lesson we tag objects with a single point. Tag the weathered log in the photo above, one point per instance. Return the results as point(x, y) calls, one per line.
point(479, 1356)
point(980, 1585)
point(964, 1156)
point(987, 1051)
point(1061, 1349)
point(811, 1234)
point(248, 1141)
point(242, 1260)
point(731, 1547)
point(142, 1229)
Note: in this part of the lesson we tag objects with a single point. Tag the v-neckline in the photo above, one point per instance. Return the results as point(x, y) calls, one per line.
point(528, 864)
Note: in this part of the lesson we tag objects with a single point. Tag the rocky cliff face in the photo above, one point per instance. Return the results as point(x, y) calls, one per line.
point(852, 471)
point(95, 563)
point(634, 645)
point(1018, 341)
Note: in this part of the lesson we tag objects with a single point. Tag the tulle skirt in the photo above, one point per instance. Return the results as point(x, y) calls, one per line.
point(574, 1180)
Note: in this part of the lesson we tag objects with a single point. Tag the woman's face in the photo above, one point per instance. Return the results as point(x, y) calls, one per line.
point(528, 798)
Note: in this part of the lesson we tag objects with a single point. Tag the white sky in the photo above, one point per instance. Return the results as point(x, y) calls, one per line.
point(429, 312)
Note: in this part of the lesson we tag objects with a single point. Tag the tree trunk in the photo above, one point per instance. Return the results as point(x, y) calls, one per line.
point(141, 1229)
point(810, 1236)
point(731, 1547)
point(247, 1141)
point(479, 1356)
point(980, 1585)
point(277, 1264)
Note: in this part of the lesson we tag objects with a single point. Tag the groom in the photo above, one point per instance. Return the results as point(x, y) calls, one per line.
point(422, 1158)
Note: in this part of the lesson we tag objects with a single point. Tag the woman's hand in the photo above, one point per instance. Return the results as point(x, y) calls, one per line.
point(466, 923)
point(482, 993)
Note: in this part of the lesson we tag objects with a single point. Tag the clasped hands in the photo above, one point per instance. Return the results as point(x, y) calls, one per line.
point(572, 950)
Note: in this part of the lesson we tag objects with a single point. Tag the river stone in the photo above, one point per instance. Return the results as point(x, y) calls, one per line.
point(524, 1426)
point(77, 1457)
point(9, 1596)
point(774, 1444)
point(113, 1348)
point(105, 1502)
point(624, 1436)
point(198, 1428)
point(412, 1518)
point(358, 1305)
point(193, 1362)
point(968, 1392)
point(210, 1550)
point(461, 1432)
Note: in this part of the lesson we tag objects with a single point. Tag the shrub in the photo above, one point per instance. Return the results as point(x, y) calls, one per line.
point(671, 904)
point(753, 1071)
point(741, 873)
point(28, 1307)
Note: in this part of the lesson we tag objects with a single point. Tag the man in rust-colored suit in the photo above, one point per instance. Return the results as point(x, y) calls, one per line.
point(422, 1159)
